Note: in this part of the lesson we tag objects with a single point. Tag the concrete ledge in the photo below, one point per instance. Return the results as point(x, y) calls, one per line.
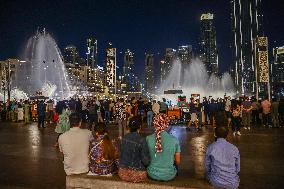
point(96, 182)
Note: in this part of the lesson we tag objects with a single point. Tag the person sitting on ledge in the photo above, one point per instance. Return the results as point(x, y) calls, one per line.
point(222, 161)
point(74, 144)
point(103, 153)
point(164, 151)
point(134, 154)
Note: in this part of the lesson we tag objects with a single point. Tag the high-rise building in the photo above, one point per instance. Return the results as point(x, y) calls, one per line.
point(149, 73)
point(184, 53)
point(111, 68)
point(92, 52)
point(166, 63)
point(262, 82)
point(128, 62)
point(277, 71)
point(128, 69)
point(208, 46)
point(71, 55)
point(246, 19)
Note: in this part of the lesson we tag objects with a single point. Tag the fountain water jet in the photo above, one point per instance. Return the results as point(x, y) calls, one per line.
point(44, 69)
point(196, 80)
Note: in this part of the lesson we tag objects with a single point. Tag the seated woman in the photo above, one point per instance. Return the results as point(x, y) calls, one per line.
point(164, 151)
point(103, 153)
point(134, 154)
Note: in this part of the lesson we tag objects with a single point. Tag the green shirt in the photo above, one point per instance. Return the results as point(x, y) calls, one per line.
point(162, 164)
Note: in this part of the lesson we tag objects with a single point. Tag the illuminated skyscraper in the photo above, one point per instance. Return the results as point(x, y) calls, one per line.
point(128, 70)
point(208, 46)
point(166, 63)
point(277, 71)
point(149, 73)
point(128, 62)
point(111, 68)
point(92, 52)
point(70, 55)
point(246, 17)
point(184, 53)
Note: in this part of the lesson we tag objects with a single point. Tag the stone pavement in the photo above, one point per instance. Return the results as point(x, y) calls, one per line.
point(29, 160)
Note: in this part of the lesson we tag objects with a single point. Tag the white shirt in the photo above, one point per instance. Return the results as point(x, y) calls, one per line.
point(228, 105)
point(74, 144)
point(84, 105)
point(156, 108)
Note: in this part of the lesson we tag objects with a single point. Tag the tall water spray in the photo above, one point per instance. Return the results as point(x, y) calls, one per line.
point(44, 69)
point(194, 79)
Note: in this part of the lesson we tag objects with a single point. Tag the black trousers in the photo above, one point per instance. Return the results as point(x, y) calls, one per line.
point(266, 119)
point(236, 124)
point(40, 121)
point(255, 117)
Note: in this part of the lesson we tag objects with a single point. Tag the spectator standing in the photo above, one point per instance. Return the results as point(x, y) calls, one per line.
point(149, 112)
point(274, 112)
point(228, 105)
point(193, 115)
point(41, 114)
point(106, 106)
point(212, 108)
point(141, 108)
point(255, 112)
point(20, 112)
point(266, 106)
point(246, 113)
point(236, 119)
point(27, 109)
point(205, 110)
point(155, 107)
point(93, 114)
point(63, 123)
point(120, 110)
point(163, 106)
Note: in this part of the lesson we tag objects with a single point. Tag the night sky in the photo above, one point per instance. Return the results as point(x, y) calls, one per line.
point(140, 25)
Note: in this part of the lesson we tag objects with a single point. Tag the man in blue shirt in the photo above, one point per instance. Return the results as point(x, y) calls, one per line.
point(222, 161)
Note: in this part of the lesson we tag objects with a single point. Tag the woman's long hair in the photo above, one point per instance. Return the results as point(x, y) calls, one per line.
point(109, 152)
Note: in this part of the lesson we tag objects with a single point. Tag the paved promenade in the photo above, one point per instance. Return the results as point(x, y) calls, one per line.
point(29, 160)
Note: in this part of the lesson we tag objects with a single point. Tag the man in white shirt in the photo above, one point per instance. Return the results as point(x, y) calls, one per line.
point(74, 144)
point(155, 107)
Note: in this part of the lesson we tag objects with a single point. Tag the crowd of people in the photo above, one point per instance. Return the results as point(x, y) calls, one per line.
point(133, 157)
point(241, 112)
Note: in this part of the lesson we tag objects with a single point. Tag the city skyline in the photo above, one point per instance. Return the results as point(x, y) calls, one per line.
point(140, 26)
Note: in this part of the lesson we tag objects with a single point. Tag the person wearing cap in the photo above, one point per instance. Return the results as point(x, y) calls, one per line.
point(134, 153)
point(222, 161)
point(164, 151)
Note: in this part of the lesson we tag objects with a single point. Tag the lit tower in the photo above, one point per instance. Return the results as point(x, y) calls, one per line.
point(71, 55)
point(208, 46)
point(128, 69)
point(278, 71)
point(246, 19)
point(92, 52)
point(111, 68)
point(149, 73)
